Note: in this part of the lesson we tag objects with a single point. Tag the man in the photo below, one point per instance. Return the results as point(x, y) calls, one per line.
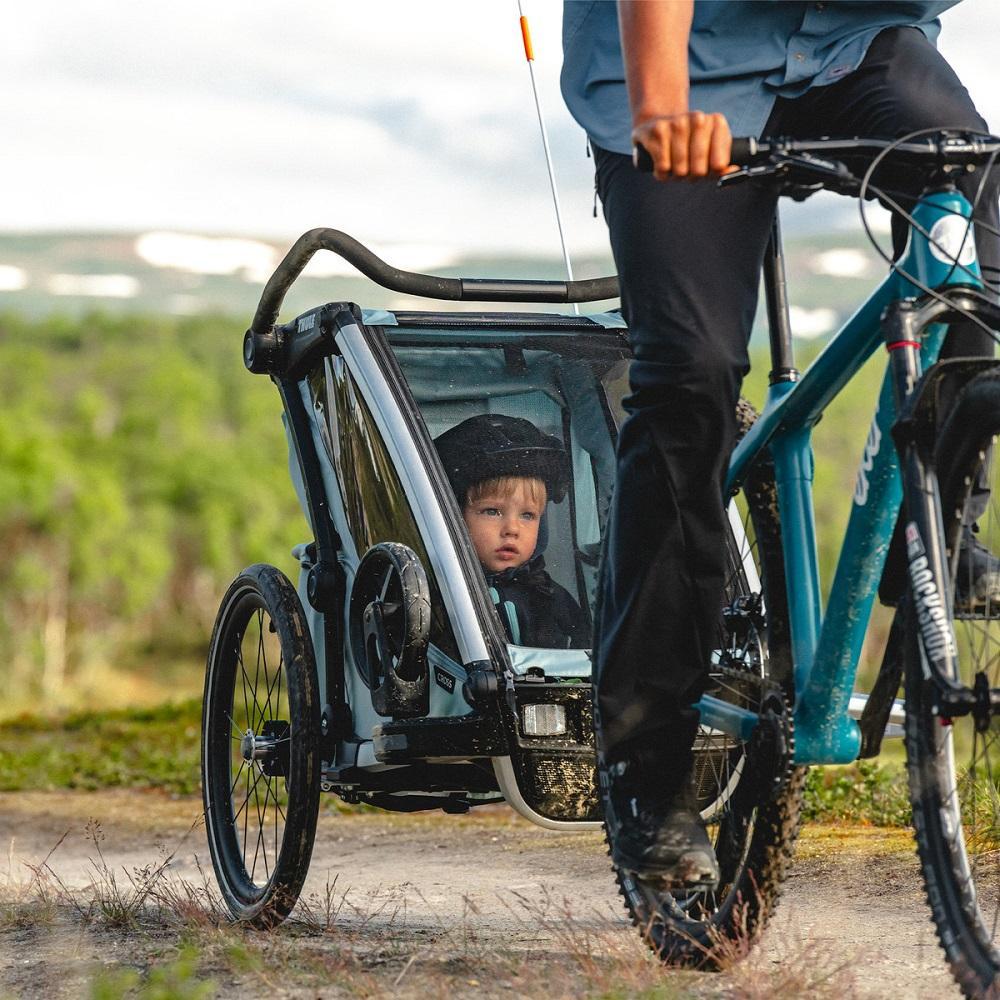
point(680, 77)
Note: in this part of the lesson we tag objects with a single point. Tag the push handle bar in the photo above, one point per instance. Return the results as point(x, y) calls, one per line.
point(801, 167)
point(413, 283)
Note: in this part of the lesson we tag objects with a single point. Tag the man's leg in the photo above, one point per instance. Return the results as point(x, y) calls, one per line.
point(689, 257)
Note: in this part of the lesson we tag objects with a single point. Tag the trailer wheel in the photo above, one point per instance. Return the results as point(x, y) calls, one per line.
point(260, 759)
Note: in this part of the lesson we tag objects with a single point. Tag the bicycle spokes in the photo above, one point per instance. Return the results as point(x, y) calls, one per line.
point(260, 716)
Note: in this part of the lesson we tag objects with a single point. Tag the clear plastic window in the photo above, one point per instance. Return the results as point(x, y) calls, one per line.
point(569, 387)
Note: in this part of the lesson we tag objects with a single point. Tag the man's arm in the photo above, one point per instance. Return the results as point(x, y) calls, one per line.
point(682, 142)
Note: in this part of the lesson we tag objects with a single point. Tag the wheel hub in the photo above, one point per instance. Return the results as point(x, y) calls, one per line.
point(268, 749)
point(258, 747)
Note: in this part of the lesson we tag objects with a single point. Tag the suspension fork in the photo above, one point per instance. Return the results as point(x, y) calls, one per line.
point(926, 550)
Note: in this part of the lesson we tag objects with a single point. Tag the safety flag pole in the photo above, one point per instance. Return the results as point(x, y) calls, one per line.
point(529, 54)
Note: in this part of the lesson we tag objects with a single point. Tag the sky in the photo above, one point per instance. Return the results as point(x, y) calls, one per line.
point(398, 122)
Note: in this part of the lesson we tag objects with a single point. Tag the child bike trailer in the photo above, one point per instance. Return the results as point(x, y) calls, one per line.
point(389, 673)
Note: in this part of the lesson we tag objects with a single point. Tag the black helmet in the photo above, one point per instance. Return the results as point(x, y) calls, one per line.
point(492, 445)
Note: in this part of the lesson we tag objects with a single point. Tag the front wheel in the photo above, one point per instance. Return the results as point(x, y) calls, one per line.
point(954, 765)
point(260, 763)
point(752, 827)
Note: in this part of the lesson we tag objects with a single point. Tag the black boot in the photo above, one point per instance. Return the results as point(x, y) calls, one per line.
point(654, 835)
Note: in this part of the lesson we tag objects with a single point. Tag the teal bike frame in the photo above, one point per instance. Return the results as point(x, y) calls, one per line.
point(826, 648)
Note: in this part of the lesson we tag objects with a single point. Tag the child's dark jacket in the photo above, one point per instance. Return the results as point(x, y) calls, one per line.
point(537, 611)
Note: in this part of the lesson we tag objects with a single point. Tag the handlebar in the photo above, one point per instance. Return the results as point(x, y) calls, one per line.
point(818, 161)
point(942, 149)
point(744, 147)
point(413, 283)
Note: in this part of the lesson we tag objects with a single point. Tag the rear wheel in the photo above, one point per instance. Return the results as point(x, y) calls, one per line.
point(953, 764)
point(260, 747)
point(753, 828)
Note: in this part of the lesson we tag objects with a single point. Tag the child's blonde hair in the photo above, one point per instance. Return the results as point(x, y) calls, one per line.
point(505, 486)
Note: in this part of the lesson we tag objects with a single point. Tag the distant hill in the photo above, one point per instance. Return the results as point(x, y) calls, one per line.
point(72, 273)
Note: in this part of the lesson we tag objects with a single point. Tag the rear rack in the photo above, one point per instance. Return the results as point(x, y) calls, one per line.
point(413, 283)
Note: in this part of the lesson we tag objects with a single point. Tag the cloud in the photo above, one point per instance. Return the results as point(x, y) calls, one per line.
point(12, 279)
point(100, 286)
point(207, 255)
point(808, 324)
point(395, 121)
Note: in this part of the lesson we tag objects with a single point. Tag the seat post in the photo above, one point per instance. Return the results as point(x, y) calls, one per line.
point(778, 322)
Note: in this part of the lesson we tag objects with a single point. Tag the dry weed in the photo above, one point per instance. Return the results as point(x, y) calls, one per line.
point(321, 913)
point(31, 902)
point(606, 954)
point(792, 968)
point(379, 943)
point(188, 904)
point(120, 904)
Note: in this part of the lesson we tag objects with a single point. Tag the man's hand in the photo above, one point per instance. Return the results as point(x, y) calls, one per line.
point(682, 143)
point(691, 145)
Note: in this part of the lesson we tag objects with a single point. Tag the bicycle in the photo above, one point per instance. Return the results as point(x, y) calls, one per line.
point(385, 677)
point(784, 680)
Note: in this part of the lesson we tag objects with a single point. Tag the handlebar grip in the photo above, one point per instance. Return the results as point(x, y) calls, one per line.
point(744, 150)
point(641, 159)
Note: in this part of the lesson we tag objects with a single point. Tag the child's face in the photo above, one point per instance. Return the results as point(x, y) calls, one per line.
point(503, 523)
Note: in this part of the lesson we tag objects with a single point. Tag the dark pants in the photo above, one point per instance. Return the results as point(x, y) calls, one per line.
point(689, 257)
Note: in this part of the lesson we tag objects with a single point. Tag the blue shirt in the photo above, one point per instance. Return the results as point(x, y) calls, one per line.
point(742, 55)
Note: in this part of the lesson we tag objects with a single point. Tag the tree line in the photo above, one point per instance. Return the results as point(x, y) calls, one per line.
point(141, 467)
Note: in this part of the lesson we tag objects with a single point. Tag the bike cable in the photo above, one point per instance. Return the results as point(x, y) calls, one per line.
point(886, 198)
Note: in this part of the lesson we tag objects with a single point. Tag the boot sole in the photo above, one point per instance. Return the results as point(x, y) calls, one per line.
point(669, 879)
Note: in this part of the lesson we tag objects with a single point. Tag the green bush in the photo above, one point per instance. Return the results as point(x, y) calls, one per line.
point(864, 792)
point(179, 979)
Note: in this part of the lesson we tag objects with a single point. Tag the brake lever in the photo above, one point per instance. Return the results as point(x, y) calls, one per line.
point(831, 170)
point(831, 174)
point(749, 174)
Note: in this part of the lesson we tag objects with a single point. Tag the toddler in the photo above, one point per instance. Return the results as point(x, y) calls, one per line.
point(503, 471)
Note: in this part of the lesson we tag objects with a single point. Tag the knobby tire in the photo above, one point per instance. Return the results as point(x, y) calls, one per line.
point(953, 770)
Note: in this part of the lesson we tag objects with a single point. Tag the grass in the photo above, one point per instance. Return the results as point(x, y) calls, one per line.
point(180, 944)
point(130, 748)
point(144, 933)
point(835, 839)
point(178, 979)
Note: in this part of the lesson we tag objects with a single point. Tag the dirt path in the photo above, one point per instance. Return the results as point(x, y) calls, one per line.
point(853, 904)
